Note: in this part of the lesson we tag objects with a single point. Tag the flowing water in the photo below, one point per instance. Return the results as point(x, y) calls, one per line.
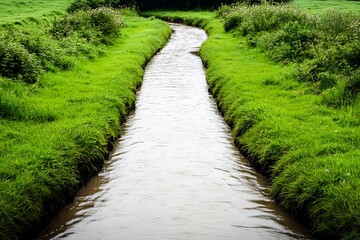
point(175, 173)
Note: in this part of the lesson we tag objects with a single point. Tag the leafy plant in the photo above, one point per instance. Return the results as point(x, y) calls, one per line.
point(17, 63)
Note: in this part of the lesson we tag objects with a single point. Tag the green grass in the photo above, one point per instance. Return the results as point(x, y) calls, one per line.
point(64, 126)
point(319, 6)
point(22, 12)
point(309, 151)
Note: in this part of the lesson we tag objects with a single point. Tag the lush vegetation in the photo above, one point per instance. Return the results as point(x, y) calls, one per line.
point(325, 48)
point(284, 124)
point(288, 86)
point(27, 53)
point(56, 127)
point(159, 4)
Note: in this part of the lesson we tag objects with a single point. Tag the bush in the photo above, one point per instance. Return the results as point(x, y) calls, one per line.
point(293, 42)
point(340, 25)
point(17, 63)
point(232, 22)
point(265, 17)
point(79, 47)
point(96, 25)
point(107, 21)
point(353, 84)
point(46, 49)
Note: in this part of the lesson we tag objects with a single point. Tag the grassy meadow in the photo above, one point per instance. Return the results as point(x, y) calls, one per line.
point(56, 126)
point(309, 149)
point(319, 6)
point(22, 12)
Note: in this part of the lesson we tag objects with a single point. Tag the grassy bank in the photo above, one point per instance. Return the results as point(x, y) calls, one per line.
point(65, 125)
point(310, 151)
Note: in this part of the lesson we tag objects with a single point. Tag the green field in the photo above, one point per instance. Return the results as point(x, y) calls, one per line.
point(319, 6)
point(22, 12)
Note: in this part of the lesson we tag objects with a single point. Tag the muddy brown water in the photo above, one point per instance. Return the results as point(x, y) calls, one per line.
point(175, 173)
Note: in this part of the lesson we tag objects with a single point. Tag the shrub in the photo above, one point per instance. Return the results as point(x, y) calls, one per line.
point(353, 84)
point(96, 25)
point(17, 63)
point(68, 24)
point(293, 42)
point(340, 25)
point(232, 22)
point(79, 47)
point(106, 20)
point(350, 53)
point(263, 17)
point(46, 49)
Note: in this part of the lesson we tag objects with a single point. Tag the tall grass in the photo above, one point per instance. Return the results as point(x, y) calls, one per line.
point(308, 150)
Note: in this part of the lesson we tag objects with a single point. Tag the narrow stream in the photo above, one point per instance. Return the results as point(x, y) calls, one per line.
point(175, 173)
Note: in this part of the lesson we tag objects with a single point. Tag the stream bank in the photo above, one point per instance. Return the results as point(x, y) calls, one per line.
point(309, 151)
point(44, 163)
point(175, 173)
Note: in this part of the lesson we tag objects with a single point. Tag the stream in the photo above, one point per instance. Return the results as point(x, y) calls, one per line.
point(175, 172)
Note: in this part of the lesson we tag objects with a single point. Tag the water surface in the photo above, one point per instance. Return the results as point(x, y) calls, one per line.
point(175, 173)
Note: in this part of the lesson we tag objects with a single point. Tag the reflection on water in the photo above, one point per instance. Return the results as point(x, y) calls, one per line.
point(175, 173)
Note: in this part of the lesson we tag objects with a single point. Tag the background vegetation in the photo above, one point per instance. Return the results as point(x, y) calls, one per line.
point(159, 4)
point(307, 147)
